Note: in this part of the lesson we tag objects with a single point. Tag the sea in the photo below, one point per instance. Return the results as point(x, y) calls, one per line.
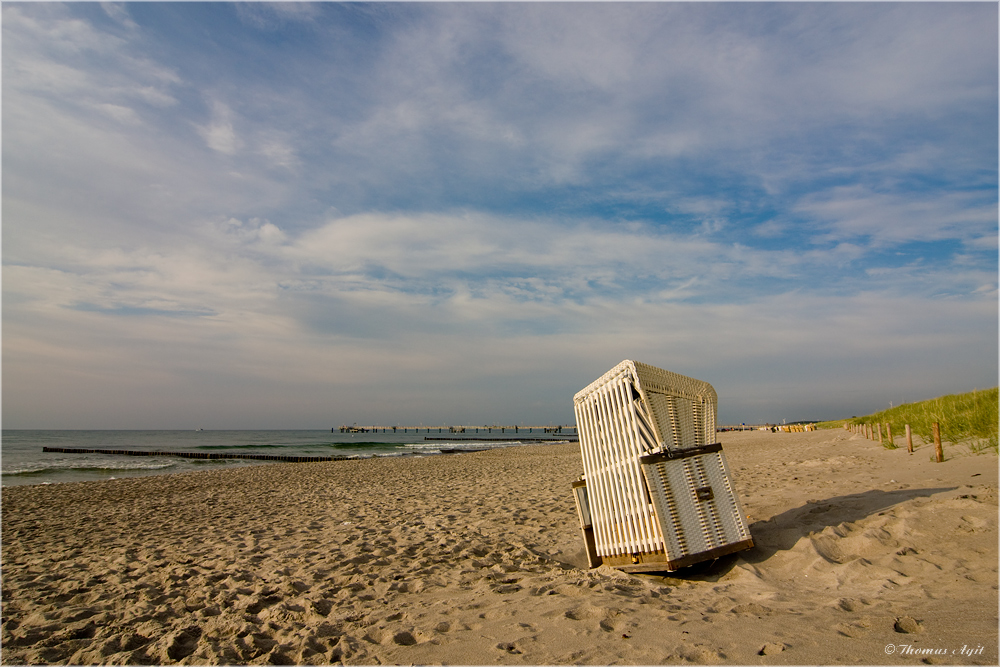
point(23, 460)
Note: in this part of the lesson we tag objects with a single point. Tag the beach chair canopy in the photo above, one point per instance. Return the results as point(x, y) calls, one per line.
point(663, 410)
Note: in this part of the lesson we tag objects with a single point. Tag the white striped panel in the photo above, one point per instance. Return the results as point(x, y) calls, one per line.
point(730, 512)
point(671, 526)
point(623, 519)
point(611, 474)
point(690, 525)
point(647, 530)
point(605, 530)
point(618, 471)
point(614, 531)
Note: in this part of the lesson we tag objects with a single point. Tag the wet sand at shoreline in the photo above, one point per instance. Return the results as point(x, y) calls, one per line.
point(477, 559)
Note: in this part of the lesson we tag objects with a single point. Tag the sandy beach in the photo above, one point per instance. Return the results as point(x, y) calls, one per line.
point(863, 555)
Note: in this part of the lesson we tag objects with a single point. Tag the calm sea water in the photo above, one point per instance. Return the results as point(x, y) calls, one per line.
point(24, 462)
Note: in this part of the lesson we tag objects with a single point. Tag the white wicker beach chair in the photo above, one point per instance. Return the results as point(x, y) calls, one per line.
point(656, 492)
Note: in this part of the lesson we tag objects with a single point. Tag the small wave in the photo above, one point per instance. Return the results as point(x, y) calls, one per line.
point(369, 445)
point(239, 447)
point(478, 444)
point(41, 470)
point(435, 446)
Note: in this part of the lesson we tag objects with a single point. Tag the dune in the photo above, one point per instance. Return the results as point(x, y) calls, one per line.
point(863, 555)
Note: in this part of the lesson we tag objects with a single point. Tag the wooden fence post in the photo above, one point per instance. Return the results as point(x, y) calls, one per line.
point(879, 432)
point(888, 433)
point(909, 439)
point(938, 452)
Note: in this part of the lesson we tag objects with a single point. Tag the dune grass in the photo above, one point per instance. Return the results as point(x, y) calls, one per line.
point(969, 418)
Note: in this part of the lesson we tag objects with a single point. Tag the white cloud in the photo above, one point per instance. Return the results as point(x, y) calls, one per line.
point(120, 113)
point(219, 133)
point(279, 151)
point(50, 29)
point(119, 12)
point(524, 195)
point(849, 212)
point(71, 61)
point(253, 336)
point(273, 15)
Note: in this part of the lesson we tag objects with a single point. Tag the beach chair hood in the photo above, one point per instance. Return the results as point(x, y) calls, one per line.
point(671, 411)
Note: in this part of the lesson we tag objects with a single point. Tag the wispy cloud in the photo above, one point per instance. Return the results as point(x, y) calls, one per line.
point(219, 134)
point(851, 212)
point(292, 214)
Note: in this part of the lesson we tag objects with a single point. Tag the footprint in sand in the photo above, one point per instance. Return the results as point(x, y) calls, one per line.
point(183, 643)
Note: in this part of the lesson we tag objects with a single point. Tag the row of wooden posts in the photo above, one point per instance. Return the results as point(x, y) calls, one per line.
point(873, 431)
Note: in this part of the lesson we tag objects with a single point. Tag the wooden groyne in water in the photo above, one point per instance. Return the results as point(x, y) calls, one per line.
point(199, 455)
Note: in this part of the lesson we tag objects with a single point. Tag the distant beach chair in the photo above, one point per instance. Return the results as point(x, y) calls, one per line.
point(656, 492)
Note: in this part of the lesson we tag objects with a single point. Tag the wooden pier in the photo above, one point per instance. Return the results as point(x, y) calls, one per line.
point(562, 429)
point(571, 438)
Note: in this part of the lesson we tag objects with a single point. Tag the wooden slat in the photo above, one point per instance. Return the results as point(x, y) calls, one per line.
point(607, 533)
point(614, 485)
point(648, 532)
point(619, 469)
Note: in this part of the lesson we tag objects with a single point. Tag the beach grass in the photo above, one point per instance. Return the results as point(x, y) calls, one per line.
point(969, 418)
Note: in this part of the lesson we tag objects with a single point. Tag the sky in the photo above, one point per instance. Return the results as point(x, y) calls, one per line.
point(254, 216)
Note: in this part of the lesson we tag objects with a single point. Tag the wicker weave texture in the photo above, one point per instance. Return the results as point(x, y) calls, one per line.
point(695, 504)
point(683, 408)
point(677, 412)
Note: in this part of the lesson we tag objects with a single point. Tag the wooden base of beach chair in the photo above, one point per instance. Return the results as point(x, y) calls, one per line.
point(658, 562)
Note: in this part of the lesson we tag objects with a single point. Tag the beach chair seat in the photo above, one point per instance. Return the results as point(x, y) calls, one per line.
point(656, 493)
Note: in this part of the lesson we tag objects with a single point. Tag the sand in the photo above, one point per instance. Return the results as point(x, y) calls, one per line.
point(477, 559)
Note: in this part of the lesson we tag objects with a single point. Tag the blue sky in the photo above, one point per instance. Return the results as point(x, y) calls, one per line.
point(303, 215)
